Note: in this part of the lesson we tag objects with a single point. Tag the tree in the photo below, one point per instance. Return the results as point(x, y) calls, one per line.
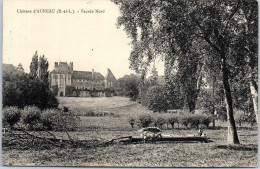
point(55, 89)
point(34, 65)
point(43, 72)
point(39, 68)
point(20, 67)
point(184, 31)
point(129, 85)
point(69, 90)
point(247, 45)
point(21, 89)
point(154, 76)
point(156, 99)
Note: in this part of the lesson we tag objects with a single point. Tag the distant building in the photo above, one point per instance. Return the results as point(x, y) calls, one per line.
point(8, 67)
point(81, 83)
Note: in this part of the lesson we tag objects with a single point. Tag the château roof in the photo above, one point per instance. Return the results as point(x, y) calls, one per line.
point(110, 76)
point(87, 75)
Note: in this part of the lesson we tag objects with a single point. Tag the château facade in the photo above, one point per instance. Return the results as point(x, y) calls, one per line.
point(69, 82)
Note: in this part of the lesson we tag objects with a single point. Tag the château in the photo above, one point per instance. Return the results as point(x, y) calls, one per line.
point(69, 82)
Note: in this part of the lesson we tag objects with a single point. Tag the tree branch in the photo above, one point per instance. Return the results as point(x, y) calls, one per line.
point(231, 16)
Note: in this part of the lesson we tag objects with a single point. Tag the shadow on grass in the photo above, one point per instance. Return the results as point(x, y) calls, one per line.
point(239, 147)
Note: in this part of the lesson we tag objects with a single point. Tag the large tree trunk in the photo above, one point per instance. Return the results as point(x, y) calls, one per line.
point(232, 131)
point(213, 119)
point(194, 90)
point(213, 97)
point(254, 94)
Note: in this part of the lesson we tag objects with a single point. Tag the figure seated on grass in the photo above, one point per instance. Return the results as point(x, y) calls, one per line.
point(150, 133)
point(200, 133)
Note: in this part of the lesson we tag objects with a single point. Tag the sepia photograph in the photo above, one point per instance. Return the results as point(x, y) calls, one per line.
point(138, 83)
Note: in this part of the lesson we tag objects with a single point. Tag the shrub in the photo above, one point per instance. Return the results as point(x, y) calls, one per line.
point(49, 118)
point(172, 119)
point(205, 119)
point(31, 116)
point(195, 120)
point(89, 113)
point(144, 120)
point(159, 121)
point(251, 119)
point(185, 119)
point(65, 109)
point(241, 117)
point(11, 116)
point(57, 120)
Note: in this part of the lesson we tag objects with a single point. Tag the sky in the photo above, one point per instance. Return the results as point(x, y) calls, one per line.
point(89, 40)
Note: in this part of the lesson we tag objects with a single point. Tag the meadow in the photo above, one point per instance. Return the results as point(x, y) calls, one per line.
point(175, 154)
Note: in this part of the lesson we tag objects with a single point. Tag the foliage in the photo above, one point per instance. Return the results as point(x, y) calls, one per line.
point(43, 70)
point(20, 67)
point(129, 86)
point(89, 113)
point(185, 119)
point(174, 96)
point(241, 117)
point(21, 89)
point(48, 118)
point(31, 117)
point(154, 77)
point(40, 71)
point(252, 119)
point(144, 120)
point(57, 120)
point(188, 34)
point(159, 121)
point(172, 119)
point(205, 119)
point(196, 120)
point(67, 121)
point(55, 89)
point(69, 90)
point(34, 65)
point(11, 116)
point(66, 109)
point(156, 99)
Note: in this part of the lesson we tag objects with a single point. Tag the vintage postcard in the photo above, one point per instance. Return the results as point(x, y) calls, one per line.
point(140, 83)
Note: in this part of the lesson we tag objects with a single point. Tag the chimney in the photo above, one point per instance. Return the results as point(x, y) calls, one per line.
point(71, 66)
point(56, 64)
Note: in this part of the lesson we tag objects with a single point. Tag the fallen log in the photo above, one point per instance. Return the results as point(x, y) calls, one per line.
point(171, 139)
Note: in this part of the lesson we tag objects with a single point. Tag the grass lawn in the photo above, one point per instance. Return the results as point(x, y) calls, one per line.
point(215, 154)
